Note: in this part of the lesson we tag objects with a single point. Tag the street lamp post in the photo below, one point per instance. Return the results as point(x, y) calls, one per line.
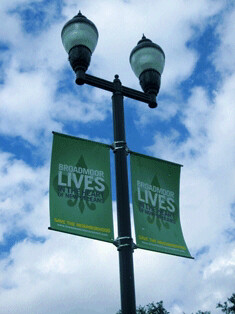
point(79, 37)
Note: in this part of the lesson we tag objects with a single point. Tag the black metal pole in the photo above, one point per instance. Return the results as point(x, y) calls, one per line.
point(125, 241)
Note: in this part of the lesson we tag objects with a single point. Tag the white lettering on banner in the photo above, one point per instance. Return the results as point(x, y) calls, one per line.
point(60, 179)
point(152, 199)
point(77, 182)
point(100, 187)
point(80, 170)
point(171, 207)
point(92, 179)
point(161, 201)
point(155, 189)
point(88, 182)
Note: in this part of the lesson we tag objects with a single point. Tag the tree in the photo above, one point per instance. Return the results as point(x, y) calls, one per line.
point(151, 308)
point(226, 308)
point(157, 308)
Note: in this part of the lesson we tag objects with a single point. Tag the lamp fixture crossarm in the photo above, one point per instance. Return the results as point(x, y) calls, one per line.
point(83, 78)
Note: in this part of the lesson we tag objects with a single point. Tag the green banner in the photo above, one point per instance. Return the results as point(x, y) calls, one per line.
point(80, 188)
point(155, 197)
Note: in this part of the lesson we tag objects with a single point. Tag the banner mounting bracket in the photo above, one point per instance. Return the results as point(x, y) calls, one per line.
point(116, 145)
point(122, 242)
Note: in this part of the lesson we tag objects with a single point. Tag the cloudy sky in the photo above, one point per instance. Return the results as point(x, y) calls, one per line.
point(49, 272)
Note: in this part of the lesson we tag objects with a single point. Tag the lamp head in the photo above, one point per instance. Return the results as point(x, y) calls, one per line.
point(79, 37)
point(147, 61)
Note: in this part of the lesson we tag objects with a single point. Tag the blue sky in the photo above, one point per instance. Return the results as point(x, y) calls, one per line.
point(49, 272)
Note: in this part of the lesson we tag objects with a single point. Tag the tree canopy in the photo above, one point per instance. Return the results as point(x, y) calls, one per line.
point(228, 307)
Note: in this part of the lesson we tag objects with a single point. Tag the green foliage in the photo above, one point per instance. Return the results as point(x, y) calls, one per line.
point(228, 308)
point(157, 308)
point(151, 308)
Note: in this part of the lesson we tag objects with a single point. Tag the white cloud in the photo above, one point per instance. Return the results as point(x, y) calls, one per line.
point(22, 185)
point(36, 60)
point(57, 271)
point(224, 56)
point(121, 25)
point(25, 105)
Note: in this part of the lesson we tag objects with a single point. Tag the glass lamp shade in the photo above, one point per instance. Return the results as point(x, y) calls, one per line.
point(79, 31)
point(147, 56)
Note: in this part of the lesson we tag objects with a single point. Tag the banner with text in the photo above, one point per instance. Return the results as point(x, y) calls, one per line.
point(80, 188)
point(155, 196)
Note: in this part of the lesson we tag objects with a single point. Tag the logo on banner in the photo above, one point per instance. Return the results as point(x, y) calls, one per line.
point(157, 203)
point(81, 185)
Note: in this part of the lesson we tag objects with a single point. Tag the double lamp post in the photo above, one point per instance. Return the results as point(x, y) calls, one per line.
point(79, 37)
